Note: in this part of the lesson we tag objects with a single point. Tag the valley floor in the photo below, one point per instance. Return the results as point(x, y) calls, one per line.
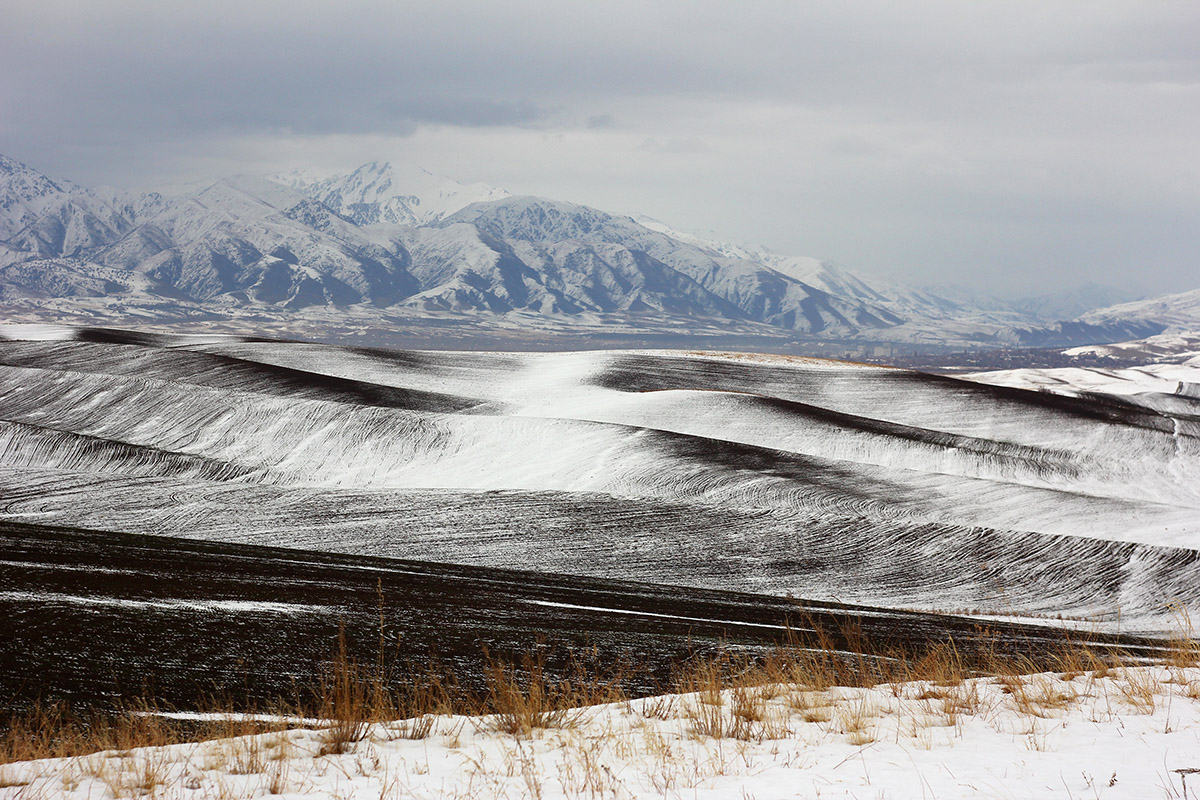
point(1120, 733)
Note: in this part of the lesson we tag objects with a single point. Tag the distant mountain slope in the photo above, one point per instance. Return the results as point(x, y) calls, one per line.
point(47, 218)
point(1178, 311)
point(583, 252)
point(315, 251)
point(901, 299)
point(1073, 302)
point(1166, 348)
point(248, 240)
point(381, 192)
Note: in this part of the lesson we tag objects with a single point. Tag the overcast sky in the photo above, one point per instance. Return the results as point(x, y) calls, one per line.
point(1006, 146)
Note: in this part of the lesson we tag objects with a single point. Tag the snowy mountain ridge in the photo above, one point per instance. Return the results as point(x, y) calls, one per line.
point(401, 238)
point(380, 192)
point(1177, 312)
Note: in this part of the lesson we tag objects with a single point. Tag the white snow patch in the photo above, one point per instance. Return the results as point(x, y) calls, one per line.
point(1131, 734)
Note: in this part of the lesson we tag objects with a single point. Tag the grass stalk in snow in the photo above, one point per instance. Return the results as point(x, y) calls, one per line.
point(522, 697)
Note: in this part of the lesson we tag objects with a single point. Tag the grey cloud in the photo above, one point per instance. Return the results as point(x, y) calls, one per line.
point(466, 111)
point(675, 145)
point(844, 130)
point(854, 146)
point(601, 121)
point(315, 69)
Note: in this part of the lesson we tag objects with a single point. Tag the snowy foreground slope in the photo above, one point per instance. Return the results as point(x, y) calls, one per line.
point(776, 475)
point(1132, 733)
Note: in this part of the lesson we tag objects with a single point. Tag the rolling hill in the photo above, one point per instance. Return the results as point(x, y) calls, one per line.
point(775, 475)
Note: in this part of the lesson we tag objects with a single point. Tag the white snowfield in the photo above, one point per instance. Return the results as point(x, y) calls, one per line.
point(774, 474)
point(1134, 733)
point(1165, 348)
point(1172, 368)
point(1140, 383)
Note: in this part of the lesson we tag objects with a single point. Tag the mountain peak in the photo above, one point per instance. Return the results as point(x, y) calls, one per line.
point(20, 183)
point(389, 169)
point(10, 165)
point(398, 194)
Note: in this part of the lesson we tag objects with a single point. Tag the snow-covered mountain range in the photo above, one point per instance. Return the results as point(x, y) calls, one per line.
point(412, 243)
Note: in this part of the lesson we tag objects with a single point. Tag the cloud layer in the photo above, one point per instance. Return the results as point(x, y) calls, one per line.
point(1003, 145)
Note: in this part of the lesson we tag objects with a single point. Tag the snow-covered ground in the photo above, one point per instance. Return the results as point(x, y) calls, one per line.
point(1172, 366)
point(769, 474)
point(1151, 379)
point(1181, 379)
point(1165, 347)
point(1132, 733)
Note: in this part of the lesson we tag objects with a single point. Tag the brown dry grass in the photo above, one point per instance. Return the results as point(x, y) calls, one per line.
point(520, 697)
point(57, 730)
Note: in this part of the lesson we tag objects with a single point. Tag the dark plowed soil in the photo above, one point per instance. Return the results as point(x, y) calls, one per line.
point(93, 617)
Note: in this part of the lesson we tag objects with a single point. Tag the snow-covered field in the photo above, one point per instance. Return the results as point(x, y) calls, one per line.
point(1171, 371)
point(1163, 348)
point(770, 474)
point(1150, 384)
point(1132, 733)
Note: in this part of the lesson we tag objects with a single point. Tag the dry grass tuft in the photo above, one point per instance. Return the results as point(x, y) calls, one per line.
point(707, 678)
point(942, 665)
point(661, 707)
point(1185, 648)
point(749, 704)
point(1042, 695)
point(522, 698)
point(248, 757)
point(855, 714)
point(818, 714)
point(1140, 689)
point(346, 690)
